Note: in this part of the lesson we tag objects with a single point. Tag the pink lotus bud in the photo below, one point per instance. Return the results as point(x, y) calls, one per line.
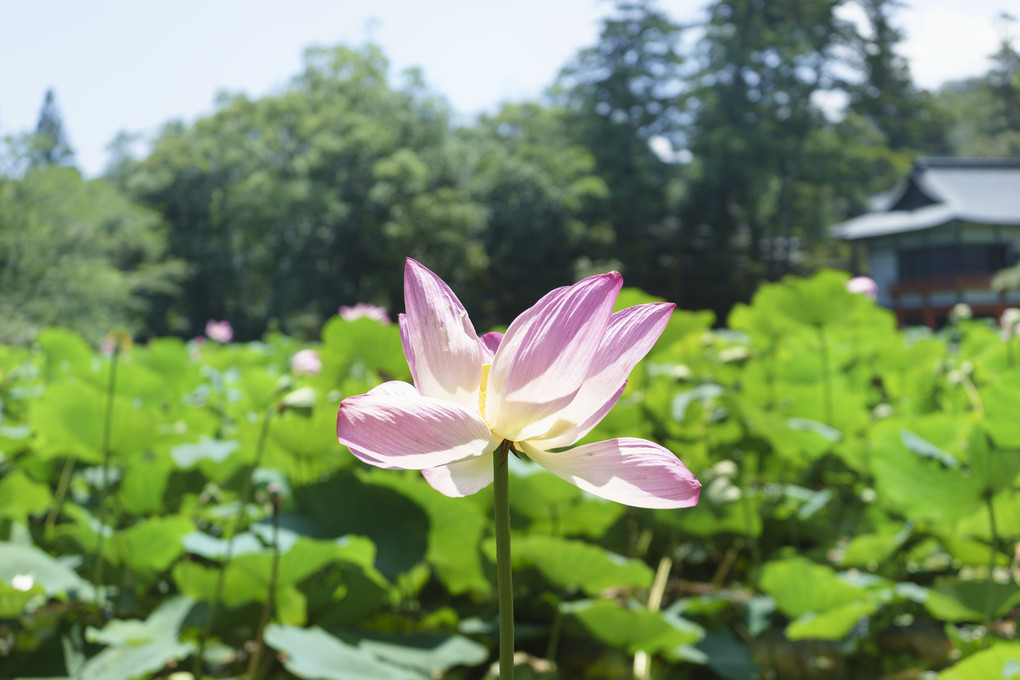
point(305, 362)
point(364, 309)
point(1010, 320)
point(863, 285)
point(220, 331)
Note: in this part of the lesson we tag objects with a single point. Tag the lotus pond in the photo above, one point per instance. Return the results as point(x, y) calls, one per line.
point(171, 502)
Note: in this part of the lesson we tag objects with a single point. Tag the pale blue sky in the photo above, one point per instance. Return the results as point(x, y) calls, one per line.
point(133, 65)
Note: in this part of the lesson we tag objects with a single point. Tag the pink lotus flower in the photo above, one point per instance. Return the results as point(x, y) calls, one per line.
point(364, 310)
point(864, 286)
point(220, 331)
point(305, 362)
point(545, 384)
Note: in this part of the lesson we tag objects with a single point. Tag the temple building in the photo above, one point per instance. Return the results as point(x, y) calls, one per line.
point(940, 236)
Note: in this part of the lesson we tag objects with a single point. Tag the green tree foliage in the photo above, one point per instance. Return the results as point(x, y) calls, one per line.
point(535, 186)
point(50, 144)
point(1004, 77)
point(77, 253)
point(986, 110)
point(622, 93)
point(887, 96)
point(762, 66)
point(293, 204)
point(858, 515)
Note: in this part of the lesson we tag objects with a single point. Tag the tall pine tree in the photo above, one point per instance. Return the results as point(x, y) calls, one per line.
point(886, 96)
point(762, 65)
point(51, 146)
point(621, 94)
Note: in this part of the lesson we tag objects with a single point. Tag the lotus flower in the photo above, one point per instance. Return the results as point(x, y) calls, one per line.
point(864, 286)
point(961, 311)
point(305, 362)
point(364, 310)
point(1009, 321)
point(545, 384)
point(220, 331)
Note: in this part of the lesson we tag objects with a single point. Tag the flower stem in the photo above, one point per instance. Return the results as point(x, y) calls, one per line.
point(229, 551)
point(267, 608)
point(101, 515)
point(823, 343)
point(500, 471)
point(990, 593)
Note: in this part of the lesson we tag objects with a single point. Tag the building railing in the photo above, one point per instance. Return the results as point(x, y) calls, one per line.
point(941, 284)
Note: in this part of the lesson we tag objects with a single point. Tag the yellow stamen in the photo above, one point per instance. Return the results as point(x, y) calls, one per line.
point(482, 389)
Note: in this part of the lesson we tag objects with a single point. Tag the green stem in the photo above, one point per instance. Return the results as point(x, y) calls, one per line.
point(58, 500)
point(501, 487)
point(826, 374)
point(990, 595)
point(555, 629)
point(104, 491)
point(228, 553)
point(267, 609)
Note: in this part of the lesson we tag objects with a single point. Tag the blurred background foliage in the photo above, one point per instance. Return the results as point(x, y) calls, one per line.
point(700, 161)
point(183, 510)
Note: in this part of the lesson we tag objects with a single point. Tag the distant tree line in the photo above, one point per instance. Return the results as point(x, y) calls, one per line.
point(698, 167)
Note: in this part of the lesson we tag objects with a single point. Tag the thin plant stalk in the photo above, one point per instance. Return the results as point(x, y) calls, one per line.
point(504, 578)
point(105, 479)
point(642, 660)
point(823, 343)
point(990, 594)
point(58, 502)
point(228, 553)
point(555, 630)
point(267, 608)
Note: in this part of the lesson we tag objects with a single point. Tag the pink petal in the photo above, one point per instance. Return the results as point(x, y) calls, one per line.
point(490, 343)
point(546, 354)
point(393, 388)
point(630, 336)
point(410, 432)
point(627, 470)
point(565, 431)
point(463, 478)
point(439, 341)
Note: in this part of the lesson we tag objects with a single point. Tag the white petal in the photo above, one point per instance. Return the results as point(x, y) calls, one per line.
point(630, 471)
point(439, 342)
point(546, 354)
point(410, 432)
point(463, 478)
point(394, 388)
point(631, 334)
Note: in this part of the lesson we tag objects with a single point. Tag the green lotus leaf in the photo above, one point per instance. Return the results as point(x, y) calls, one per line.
point(314, 654)
point(1000, 662)
point(633, 629)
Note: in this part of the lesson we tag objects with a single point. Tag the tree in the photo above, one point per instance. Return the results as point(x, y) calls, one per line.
point(534, 185)
point(79, 254)
point(887, 96)
point(986, 110)
point(293, 204)
point(622, 94)
point(50, 145)
point(761, 67)
point(1004, 77)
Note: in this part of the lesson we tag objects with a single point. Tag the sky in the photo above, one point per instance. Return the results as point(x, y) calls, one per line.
point(125, 65)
